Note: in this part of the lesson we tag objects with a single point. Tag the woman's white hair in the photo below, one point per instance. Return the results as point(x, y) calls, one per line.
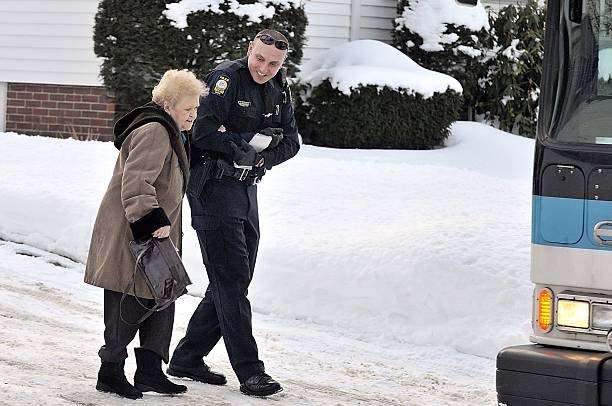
point(176, 84)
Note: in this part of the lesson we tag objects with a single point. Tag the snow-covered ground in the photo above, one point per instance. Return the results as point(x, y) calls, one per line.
point(384, 277)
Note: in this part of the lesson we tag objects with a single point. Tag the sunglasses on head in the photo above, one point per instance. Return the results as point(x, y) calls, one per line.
point(268, 40)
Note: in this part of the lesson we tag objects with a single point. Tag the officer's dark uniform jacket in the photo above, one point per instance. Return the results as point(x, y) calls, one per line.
point(244, 107)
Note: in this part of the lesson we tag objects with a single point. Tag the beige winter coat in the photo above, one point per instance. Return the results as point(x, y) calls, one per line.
point(147, 183)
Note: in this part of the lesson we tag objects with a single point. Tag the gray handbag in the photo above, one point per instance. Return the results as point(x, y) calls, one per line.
point(159, 264)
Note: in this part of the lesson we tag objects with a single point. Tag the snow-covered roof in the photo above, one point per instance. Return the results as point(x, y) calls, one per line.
point(429, 19)
point(368, 62)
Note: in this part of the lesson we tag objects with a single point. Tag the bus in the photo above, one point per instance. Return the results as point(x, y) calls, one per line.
point(571, 247)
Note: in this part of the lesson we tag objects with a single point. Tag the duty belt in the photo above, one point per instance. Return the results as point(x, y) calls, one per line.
point(245, 175)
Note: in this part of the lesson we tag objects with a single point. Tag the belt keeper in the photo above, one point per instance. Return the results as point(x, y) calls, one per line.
point(243, 174)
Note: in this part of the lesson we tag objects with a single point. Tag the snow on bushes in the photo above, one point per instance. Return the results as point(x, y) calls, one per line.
point(444, 36)
point(367, 94)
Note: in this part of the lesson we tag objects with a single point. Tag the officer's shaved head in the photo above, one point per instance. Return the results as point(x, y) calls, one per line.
point(277, 36)
point(266, 55)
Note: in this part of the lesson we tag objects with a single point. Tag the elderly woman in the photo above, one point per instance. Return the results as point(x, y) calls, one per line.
point(143, 200)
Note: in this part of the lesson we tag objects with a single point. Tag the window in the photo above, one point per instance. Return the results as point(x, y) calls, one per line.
point(583, 104)
point(603, 23)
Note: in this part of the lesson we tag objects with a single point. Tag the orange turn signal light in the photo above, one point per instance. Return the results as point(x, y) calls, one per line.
point(545, 309)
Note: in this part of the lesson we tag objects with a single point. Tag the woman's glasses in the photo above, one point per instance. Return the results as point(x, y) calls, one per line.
point(268, 40)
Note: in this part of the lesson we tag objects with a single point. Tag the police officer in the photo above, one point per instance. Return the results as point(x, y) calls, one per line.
point(244, 127)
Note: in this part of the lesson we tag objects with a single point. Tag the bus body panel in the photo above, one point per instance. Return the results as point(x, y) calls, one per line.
point(572, 268)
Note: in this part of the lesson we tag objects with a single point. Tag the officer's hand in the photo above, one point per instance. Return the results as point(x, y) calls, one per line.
point(267, 138)
point(272, 131)
point(276, 139)
point(245, 155)
point(277, 136)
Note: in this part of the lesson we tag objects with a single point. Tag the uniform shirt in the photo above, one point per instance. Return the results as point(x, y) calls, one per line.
point(237, 107)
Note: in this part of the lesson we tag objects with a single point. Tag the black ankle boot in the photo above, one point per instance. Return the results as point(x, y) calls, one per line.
point(149, 376)
point(111, 378)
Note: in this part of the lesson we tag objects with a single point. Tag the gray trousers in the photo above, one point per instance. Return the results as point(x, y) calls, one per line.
point(155, 332)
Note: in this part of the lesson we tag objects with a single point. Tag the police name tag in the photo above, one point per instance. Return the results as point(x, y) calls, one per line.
point(221, 85)
point(243, 103)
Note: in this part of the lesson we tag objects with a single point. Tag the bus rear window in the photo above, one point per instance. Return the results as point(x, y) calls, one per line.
point(604, 65)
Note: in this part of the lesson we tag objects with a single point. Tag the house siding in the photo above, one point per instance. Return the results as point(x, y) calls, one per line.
point(333, 22)
point(495, 5)
point(48, 41)
point(329, 24)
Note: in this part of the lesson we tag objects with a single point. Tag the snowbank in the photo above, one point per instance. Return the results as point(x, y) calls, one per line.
point(424, 247)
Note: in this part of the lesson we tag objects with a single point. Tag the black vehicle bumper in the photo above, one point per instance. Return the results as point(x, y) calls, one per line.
point(537, 375)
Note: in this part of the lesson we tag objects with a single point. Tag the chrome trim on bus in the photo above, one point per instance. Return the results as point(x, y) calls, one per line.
point(560, 342)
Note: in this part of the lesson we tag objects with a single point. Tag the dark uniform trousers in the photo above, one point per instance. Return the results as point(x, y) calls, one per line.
point(226, 221)
point(155, 331)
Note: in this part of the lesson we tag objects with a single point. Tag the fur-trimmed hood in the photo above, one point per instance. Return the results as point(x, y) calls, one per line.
point(148, 113)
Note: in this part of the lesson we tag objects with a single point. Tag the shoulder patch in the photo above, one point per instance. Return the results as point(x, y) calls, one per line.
point(221, 85)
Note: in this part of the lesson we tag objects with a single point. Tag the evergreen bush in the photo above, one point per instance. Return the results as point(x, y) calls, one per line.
point(137, 46)
point(138, 42)
point(456, 52)
point(514, 58)
point(373, 118)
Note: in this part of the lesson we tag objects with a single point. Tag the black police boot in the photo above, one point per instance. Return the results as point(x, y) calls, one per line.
point(149, 376)
point(260, 384)
point(111, 378)
point(201, 374)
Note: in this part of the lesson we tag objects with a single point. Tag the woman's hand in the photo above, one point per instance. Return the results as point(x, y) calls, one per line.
point(162, 232)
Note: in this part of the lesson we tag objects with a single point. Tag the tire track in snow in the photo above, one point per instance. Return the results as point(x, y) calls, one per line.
point(41, 292)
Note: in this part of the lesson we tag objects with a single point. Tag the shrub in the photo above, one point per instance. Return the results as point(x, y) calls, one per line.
point(445, 42)
point(137, 47)
point(373, 118)
point(139, 40)
point(514, 59)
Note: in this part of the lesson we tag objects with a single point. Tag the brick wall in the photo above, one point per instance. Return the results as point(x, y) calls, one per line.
point(81, 112)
